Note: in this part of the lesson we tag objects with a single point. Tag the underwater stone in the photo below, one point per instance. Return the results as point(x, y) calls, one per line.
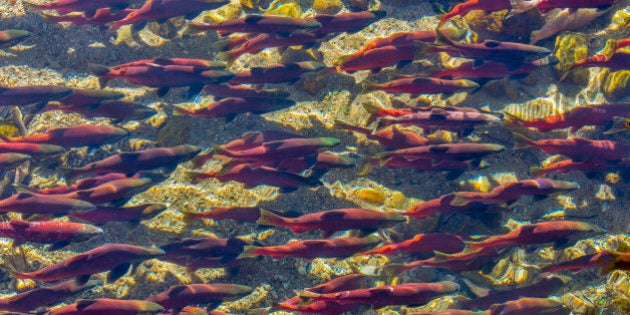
point(616, 84)
point(327, 6)
point(570, 48)
point(175, 132)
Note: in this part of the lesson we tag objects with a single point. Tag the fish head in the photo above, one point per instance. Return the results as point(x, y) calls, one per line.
point(311, 25)
point(189, 150)
point(311, 65)
point(148, 307)
point(492, 147)
point(119, 133)
point(330, 141)
point(536, 52)
point(76, 205)
point(467, 84)
point(13, 34)
point(88, 232)
point(563, 185)
point(147, 252)
point(237, 290)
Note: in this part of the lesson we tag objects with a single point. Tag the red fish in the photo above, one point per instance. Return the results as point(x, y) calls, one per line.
point(447, 151)
point(256, 24)
point(115, 257)
point(33, 299)
point(558, 232)
point(197, 63)
point(30, 203)
point(422, 243)
point(191, 252)
point(114, 191)
point(545, 6)
point(512, 191)
point(530, 305)
point(323, 162)
point(163, 77)
point(276, 73)
point(252, 176)
point(423, 164)
point(85, 183)
point(377, 58)
point(622, 43)
point(104, 306)
point(332, 221)
point(57, 233)
point(133, 214)
point(443, 204)
point(492, 70)
point(402, 294)
point(460, 120)
point(26, 95)
point(9, 38)
point(34, 149)
point(239, 214)
point(280, 149)
point(311, 249)
point(117, 110)
point(101, 16)
point(213, 294)
point(578, 149)
point(139, 160)
point(232, 106)
point(89, 7)
point(159, 10)
point(570, 165)
point(421, 85)
point(220, 91)
point(350, 22)
point(605, 260)
point(260, 42)
point(8, 160)
point(620, 60)
point(470, 5)
point(77, 136)
point(575, 118)
point(86, 97)
point(455, 262)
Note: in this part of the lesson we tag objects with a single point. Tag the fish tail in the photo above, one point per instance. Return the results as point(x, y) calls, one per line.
point(248, 252)
point(519, 6)
point(306, 294)
point(522, 141)
point(368, 86)
point(459, 200)
point(194, 28)
point(269, 218)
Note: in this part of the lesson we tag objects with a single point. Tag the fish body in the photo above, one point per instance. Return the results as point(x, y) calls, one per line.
point(605, 260)
point(196, 252)
point(117, 110)
point(350, 22)
point(256, 24)
point(177, 297)
point(104, 306)
point(323, 162)
point(444, 119)
point(115, 257)
point(34, 149)
point(85, 183)
point(620, 60)
point(377, 58)
point(393, 137)
point(423, 164)
point(332, 221)
point(280, 149)
point(224, 90)
point(190, 62)
point(454, 262)
point(134, 214)
point(489, 70)
point(134, 161)
point(545, 6)
point(113, 191)
point(33, 299)
point(31, 203)
point(239, 214)
point(575, 118)
point(442, 204)
point(470, 5)
point(59, 233)
point(9, 38)
point(263, 41)
point(402, 294)
point(8, 160)
point(26, 95)
point(423, 243)
point(528, 305)
point(77, 136)
point(348, 282)
point(565, 20)
point(87, 97)
point(579, 149)
point(87, 6)
point(447, 151)
point(231, 106)
point(276, 73)
point(101, 16)
point(311, 249)
point(421, 85)
point(540, 233)
point(161, 10)
point(514, 190)
point(565, 166)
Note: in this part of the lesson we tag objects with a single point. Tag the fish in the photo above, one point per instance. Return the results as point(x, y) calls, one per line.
point(443, 204)
point(31, 203)
point(492, 70)
point(108, 306)
point(8, 160)
point(120, 111)
point(77, 136)
point(311, 249)
point(232, 106)
point(57, 233)
point(162, 10)
point(575, 118)
point(10, 38)
point(530, 305)
point(565, 20)
point(163, 77)
point(132, 214)
point(512, 191)
point(376, 59)
point(33, 299)
point(332, 221)
point(453, 119)
point(34, 94)
point(447, 151)
point(190, 251)
point(126, 162)
point(101, 17)
point(422, 243)
point(605, 260)
point(348, 282)
point(252, 176)
point(89, 7)
point(546, 286)
point(416, 85)
point(545, 6)
point(260, 42)
point(116, 191)
point(116, 258)
point(620, 60)
point(85, 183)
point(562, 232)
point(458, 262)
point(161, 61)
point(403, 294)
point(350, 22)
point(565, 166)
point(224, 90)
point(324, 161)
point(280, 149)
point(462, 9)
point(238, 214)
point(85, 97)
point(213, 294)
point(257, 24)
point(578, 149)
point(33, 149)
point(276, 73)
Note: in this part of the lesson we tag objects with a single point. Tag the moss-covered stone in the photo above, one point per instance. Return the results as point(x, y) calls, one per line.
point(569, 48)
point(616, 84)
point(327, 6)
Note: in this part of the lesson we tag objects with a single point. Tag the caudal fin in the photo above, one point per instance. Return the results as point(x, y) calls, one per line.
point(248, 252)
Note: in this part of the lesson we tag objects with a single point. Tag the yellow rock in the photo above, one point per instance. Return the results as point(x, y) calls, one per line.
point(570, 48)
point(327, 6)
point(616, 84)
point(287, 9)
